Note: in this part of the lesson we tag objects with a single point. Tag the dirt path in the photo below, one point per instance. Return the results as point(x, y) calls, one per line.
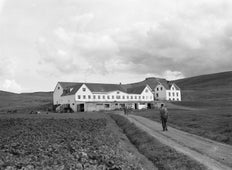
point(214, 155)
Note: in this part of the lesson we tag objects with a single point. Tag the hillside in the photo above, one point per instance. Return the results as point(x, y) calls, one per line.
point(24, 101)
point(212, 89)
point(210, 81)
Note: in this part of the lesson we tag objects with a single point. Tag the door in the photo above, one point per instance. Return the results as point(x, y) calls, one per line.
point(80, 107)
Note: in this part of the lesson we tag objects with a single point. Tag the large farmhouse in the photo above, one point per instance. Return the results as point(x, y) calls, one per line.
point(96, 96)
point(161, 88)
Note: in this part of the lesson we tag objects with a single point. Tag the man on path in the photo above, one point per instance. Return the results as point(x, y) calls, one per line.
point(164, 116)
point(125, 110)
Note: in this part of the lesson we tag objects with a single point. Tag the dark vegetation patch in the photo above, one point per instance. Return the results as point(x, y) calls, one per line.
point(213, 123)
point(162, 156)
point(61, 144)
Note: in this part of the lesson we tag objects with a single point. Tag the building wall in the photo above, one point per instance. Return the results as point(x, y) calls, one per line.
point(56, 94)
point(160, 92)
point(173, 94)
point(83, 91)
point(85, 95)
point(147, 93)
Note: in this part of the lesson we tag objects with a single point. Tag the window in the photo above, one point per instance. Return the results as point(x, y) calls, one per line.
point(161, 88)
point(143, 97)
point(118, 97)
point(157, 95)
point(127, 97)
point(103, 97)
point(173, 94)
point(107, 105)
point(150, 97)
point(112, 97)
point(177, 94)
point(157, 88)
point(135, 97)
point(169, 93)
point(108, 97)
point(83, 89)
point(173, 99)
point(173, 88)
point(99, 97)
point(139, 97)
point(94, 97)
point(89, 96)
point(118, 92)
point(73, 104)
point(146, 91)
point(84, 96)
point(123, 97)
point(58, 88)
point(79, 96)
point(131, 97)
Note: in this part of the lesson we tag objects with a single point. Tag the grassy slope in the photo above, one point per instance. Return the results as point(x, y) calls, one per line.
point(12, 101)
point(209, 90)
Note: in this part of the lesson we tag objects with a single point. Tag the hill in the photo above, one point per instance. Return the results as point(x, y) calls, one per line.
point(24, 101)
point(212, 89)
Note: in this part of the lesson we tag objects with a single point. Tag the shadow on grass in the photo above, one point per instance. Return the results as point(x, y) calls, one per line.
point(162, 156)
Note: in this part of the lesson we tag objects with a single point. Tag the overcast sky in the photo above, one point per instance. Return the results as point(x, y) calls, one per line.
point(111, 41)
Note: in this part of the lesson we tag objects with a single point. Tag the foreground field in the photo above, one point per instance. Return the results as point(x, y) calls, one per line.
point(213, 123)
point(42, 142)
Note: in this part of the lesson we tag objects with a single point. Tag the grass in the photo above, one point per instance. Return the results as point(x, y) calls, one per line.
point(212, 122)
point(25, 102)
point(162, 156)
point(63, 143)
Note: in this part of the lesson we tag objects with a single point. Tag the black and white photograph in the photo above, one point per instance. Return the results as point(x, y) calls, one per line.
point(115, 85)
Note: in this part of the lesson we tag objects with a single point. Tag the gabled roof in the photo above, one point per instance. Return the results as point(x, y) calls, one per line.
point(97, 87)
point(70, 88)
point(65, 85)
point(152, 82)
point(136, 90)
point(174, 85)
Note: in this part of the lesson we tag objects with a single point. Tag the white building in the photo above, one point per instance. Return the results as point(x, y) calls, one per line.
point(161, 88)
point(170, 92)
point(94, 96)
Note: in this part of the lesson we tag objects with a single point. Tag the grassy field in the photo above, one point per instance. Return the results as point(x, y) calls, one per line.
point(161, 155)
point(24, 102)
point(213, 90)
point(70, 141)
point(212, 122)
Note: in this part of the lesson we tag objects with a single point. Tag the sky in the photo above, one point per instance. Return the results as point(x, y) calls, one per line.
point(107, 41)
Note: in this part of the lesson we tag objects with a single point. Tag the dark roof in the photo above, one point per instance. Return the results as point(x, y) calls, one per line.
point(97, 87)
point(152, 82)
point(71, 88)
point(136, 90)
point(65, 85)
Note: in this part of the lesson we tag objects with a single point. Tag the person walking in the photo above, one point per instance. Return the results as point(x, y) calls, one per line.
point(164, 116)
point(125, 110)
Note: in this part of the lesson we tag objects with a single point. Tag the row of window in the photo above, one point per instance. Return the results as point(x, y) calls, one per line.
point(111, 97)
point(173, 99)
point(173, 94)
point(161, 88)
